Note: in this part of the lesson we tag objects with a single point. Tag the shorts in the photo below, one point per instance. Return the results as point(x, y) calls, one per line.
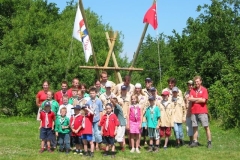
point(144, 124)
point(120, 133)
point(87, 137)
point(46, 134)
point(165, 131)
point(153, 133)
point(203, 118)
point(108, 140)
point(77, 140)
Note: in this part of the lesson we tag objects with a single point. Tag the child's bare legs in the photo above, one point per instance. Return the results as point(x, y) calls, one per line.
point(137, 139)
point(166, 141)
point(85, 145)
point(132, 138)
point(92, 146)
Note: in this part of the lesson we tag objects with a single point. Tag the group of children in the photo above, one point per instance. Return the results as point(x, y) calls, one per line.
point(88, 122)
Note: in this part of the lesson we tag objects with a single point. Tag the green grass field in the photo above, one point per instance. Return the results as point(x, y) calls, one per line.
point(19, 139)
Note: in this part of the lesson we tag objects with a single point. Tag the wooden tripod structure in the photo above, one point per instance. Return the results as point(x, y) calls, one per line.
point(111, 42)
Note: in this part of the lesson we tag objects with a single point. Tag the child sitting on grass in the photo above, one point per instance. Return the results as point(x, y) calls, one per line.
point(47, 118)
point(109, 124)
point(62, 131)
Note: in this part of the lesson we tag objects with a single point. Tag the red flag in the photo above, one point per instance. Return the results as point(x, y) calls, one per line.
point(151, 16)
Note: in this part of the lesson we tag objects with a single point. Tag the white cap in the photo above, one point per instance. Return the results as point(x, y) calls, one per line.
point(138, 85)
point(108, 84)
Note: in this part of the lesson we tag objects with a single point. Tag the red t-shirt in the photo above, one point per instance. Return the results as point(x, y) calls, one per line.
point(51, 119)
point(42, 96)
point(199, 108)
point(113, 122)
point(88, 124)
point(59, 95)
point(77, 123)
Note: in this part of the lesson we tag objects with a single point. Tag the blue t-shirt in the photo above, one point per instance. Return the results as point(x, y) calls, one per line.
point(96, 107)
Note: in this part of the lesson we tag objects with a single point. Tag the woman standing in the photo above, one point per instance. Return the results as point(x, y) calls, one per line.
point(42, 96)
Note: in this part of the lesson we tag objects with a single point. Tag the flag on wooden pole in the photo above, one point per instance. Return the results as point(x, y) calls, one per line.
point(151, 16)
point(80, 33)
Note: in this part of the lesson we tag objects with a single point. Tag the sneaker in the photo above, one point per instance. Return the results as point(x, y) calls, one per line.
point(41, 150)
point(76, 152)
point(105, 153)
point(182, 142)
point(189, 144)
point(113, 154)
point(150, 149)
point(209, 144)
point(123, 149)
point(85, 154)
point(132, 150)
point(91, 154)
point(194, 144)
point(49, 150)
point(156, 149)
point(137, 150)
point(80, 153)
point(165, 148)
point(177, 145)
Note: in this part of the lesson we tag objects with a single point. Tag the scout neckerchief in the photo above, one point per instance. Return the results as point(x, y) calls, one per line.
point(107, 120)
point(74, 118)
point(94, 106)
point(46, 119)
point(84, 121)
point(108, 97)
point(80, 101)
point(152, 110)
point(62, 119)
point(135, 112)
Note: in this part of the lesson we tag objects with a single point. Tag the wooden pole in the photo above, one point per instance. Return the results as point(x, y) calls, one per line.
point(117, 73)
point(138, 48)
point(111, 68)
point(111, 49)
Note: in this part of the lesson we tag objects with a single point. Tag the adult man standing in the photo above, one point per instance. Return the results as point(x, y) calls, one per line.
point(127, 83)
point(199, 97)
point(172, 83)
point(75, 84)
point(58, 96)
point(104, 80)
point(148, 85)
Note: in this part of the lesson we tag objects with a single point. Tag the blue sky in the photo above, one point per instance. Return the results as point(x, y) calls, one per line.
point(127, 16)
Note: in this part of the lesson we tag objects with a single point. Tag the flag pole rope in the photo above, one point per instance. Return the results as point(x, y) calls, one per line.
point(158, 50)
point(70, 51)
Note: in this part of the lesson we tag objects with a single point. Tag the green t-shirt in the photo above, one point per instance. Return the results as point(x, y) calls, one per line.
point(71, 100)
point(119, 113)
point(152, 115)
point(54, 106)
point(60, 122)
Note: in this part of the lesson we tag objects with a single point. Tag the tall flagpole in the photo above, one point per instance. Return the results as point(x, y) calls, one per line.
point(86, 24)
point(139, 46)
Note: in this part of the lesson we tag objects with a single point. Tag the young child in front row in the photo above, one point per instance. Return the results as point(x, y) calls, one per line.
point(134, 117)
point(62, 130)
point(109, 124)
point(153, 118)
point(76, 125)
point(47, 118)
point(87, 132)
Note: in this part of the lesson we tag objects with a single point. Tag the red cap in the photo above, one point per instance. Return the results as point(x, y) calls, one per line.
point(165, 93)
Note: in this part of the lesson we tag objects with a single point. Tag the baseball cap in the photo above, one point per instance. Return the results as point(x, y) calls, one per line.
point(148, 79)
point(123, 87)
point(151, 98)
point(152, 89)
point(175, 89)
point(77, 107)
point(86, 106)
point(47, 104)
point(109, 104)
point(108, 84)
point(138, 85)
point(165, 93)
point(190, 82)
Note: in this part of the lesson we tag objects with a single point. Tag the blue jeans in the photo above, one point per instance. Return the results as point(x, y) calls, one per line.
point(63, 141)
point(96, 133)
point(178, 130)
